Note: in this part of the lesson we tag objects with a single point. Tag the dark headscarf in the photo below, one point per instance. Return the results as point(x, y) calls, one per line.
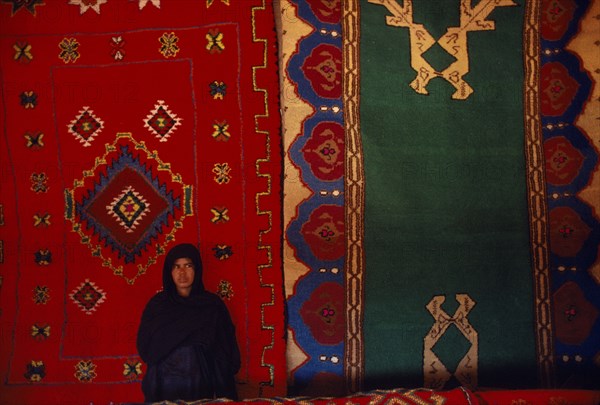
point(181, 251)
point(201, 319)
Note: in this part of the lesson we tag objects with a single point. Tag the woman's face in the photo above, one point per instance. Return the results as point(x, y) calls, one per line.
point(183, 275)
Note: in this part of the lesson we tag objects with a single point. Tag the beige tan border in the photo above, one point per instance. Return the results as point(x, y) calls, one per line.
point(536, 194)
point(354, 199)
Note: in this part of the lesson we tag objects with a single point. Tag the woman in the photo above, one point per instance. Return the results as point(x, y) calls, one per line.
point(186, 336)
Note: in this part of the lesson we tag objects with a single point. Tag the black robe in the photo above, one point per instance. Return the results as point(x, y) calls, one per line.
point(188, 343)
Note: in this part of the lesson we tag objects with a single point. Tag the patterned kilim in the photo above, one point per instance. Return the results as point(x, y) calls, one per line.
point(422, 396)
point(127, 127)
point(470, 193)
point(311, 60)
point(472, 162)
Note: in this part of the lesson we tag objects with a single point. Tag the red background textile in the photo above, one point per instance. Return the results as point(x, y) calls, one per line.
point(76, 271)
point(455, 396)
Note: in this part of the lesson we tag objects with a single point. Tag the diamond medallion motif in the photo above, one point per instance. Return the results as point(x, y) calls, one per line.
point(88, 296)
point(161, 121)
point(128, 207)
point(85, 126)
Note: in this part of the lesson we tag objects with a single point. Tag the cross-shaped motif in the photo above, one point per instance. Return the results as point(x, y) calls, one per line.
point(454, 41)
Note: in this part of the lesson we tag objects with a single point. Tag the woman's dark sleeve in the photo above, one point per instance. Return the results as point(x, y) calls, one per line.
point(233, 350)
point(146, 345)
point(226, 356)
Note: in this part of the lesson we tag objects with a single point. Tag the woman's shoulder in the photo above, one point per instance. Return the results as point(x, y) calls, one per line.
point(210, 301)
point(212, 298)
point(160, 295)
point(157, 299)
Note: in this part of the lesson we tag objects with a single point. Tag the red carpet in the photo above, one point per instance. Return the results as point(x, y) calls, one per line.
point(457, 396)
point(129, 126)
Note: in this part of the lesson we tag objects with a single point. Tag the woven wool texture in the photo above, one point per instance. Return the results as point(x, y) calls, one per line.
point(129, 127)
point(460, 244)
point(389, 193)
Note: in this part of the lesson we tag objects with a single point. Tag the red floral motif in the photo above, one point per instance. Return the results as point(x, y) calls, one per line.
point(558, 89)
point(555, 18)
point(574, 315)
point(324, 232)
point(324, 314)
point(563, 161)
point(327, 11)
point(568, 232)
point(324, 151)
point(324, 70)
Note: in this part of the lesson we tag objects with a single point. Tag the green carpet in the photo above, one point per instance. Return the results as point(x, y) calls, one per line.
point(445, 206)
